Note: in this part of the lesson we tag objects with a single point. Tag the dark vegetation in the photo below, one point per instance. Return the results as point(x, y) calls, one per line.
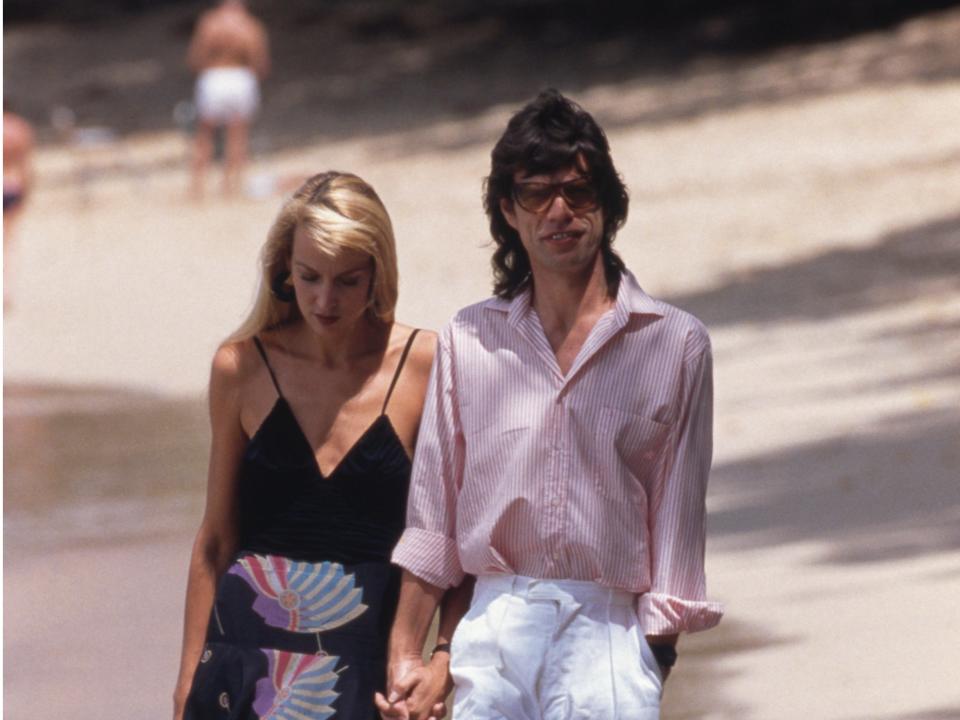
point(343, 67)
point(724, 23)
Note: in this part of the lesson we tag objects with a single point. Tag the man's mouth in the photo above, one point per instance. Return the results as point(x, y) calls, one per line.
point(561, 236)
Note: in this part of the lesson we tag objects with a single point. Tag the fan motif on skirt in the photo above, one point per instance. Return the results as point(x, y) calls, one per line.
point(301, 596)
point(297, 687)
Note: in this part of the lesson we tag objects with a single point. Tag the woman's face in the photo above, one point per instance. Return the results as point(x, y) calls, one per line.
point(333, 293)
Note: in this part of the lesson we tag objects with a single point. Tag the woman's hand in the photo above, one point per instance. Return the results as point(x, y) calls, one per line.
point(180, 700)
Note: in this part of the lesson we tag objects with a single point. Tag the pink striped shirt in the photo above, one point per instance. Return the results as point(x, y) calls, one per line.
point(597, 475)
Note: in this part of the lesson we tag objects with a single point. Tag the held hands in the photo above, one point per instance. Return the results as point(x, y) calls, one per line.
point(416, 691)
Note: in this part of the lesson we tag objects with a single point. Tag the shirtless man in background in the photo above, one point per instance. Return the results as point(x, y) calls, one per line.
point(229, 54)
point(17, 179)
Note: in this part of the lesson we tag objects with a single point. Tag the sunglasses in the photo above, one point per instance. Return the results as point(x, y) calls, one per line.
point(579, 194)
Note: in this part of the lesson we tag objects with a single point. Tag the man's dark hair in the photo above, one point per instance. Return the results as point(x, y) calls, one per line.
point(550, 134)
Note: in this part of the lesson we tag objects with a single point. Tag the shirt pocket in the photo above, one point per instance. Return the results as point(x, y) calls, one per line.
point(633, 449)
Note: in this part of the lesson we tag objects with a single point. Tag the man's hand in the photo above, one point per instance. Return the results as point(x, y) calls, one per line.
point(664, 672)
point(416, 691)
point(663, 647)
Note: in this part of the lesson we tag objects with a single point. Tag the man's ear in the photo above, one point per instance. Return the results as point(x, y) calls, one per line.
point(506, 207)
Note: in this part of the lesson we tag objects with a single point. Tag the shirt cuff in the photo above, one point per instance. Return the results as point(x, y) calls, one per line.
point(662, 614)
point(430, 556)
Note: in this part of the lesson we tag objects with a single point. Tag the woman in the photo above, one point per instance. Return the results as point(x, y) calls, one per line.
point(314, 406)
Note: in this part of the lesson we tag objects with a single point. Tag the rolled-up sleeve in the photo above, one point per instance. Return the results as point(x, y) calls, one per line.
point(428, 546)
point(677, 600)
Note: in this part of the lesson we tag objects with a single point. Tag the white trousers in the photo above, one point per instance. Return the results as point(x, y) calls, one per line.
point(532, 649)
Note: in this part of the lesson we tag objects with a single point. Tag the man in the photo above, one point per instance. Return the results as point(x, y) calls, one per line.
point(229, 53)
point(562, 459)
point(17, 181)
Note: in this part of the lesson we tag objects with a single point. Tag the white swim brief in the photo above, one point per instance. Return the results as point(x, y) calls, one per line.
point(224, 94)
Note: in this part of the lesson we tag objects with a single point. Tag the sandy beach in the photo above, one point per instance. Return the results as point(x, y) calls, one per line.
point(815, 230)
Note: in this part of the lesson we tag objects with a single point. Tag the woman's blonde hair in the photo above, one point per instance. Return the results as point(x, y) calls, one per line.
point(339, 211)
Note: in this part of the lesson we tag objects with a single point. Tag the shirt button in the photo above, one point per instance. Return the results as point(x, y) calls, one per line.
point(555, 501)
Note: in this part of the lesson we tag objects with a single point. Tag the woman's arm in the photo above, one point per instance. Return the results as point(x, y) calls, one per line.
point(216, 540)
point(416, 690)
point(428, 698)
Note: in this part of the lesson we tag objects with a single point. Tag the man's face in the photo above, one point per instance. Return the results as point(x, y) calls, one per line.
point(562, 223)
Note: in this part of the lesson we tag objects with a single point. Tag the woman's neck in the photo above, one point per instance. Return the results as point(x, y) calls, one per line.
point(334, 350)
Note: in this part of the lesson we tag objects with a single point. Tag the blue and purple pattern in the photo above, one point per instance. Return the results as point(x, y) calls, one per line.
point(297, 687)
point(301, 596)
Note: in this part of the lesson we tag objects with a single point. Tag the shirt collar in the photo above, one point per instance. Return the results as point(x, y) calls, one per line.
point(631, 300)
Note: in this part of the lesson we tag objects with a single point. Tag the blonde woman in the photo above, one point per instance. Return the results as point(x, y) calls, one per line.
point(314, 403)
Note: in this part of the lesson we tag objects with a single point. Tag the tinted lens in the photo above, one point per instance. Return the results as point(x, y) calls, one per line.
point(579, 195)
point(533, 197)
point(536, 197)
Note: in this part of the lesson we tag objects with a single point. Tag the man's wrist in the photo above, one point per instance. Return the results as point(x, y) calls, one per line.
point(440, 648)
point(402, 656)
point(439, 665)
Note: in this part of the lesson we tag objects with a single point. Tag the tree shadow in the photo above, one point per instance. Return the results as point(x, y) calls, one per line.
point(900, 266)
point(697, 688)
point(889, 490)
point(889, 493)
point(946, 713)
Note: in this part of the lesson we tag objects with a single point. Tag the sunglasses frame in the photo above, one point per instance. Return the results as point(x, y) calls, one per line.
point(559, 189)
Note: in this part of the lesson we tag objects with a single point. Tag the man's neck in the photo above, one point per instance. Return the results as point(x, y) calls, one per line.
point(561, 300)
point(568, 308)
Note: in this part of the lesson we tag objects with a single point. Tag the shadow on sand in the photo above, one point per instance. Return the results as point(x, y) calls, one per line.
point(890, 490)
point(698, 686)
point(888, 493)
point(951, 713)
point(899, 266)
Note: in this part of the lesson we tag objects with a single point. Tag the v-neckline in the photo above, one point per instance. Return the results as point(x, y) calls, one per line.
point(305, 441)
point(600, 332)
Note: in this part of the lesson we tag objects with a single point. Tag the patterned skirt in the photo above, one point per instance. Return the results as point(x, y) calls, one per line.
point(290, 639)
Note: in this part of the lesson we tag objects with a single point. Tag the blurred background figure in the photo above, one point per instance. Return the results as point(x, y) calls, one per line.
point(229, 54)
point(17, 178)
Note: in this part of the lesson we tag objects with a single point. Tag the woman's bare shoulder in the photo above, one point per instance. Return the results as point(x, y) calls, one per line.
point(423, 348)
point(280, 340)
point(235, 363)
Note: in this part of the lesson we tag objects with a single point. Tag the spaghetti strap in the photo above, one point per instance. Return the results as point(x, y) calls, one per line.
point(396, 374)
point(263, 354)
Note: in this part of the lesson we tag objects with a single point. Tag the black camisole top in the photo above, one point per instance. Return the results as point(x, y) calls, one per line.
point(289, 508)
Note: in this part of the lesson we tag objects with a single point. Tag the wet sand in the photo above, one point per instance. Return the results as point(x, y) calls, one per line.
point(817, 235)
